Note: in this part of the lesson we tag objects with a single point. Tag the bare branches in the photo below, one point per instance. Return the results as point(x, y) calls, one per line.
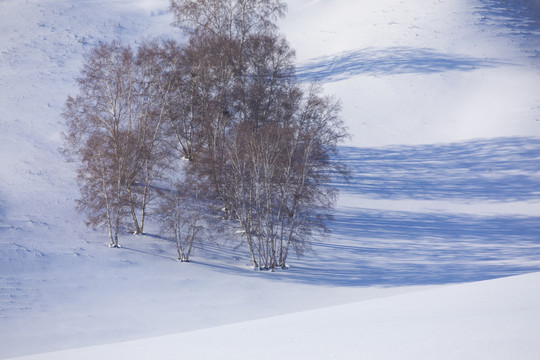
point(279, 177)
point(235, 19)
point(258, 145)
point(183, 216)
point(114, 129)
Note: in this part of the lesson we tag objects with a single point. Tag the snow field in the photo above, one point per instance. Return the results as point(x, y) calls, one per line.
point(438, 323)
point(441, 98)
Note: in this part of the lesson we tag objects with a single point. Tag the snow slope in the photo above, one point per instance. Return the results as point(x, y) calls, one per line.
point(495, 319)
point(441, 97)
point(423, 72)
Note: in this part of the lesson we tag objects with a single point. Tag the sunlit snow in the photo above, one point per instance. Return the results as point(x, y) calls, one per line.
point(435, 249)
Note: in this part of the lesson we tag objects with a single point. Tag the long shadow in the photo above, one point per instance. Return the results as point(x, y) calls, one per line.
point(388, 248)
point(393, 60)
point(370, 247)
point(156, 253)
point(504, 170)
point(394, 248)
point(518, 20)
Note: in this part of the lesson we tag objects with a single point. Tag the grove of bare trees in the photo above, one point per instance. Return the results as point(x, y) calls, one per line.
point(213, 130)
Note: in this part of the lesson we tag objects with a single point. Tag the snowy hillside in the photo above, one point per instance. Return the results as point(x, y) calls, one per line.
point(423, 72)
point(441, 98)
point(497, 319)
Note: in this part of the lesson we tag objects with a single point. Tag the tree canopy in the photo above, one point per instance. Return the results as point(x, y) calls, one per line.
point(221, 122)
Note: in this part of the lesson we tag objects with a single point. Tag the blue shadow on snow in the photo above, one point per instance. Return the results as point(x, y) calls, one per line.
point(385, 247)
point(503, 169)
point(389, 61)
point(394, 248)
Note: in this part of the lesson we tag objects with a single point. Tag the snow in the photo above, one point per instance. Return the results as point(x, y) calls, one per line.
point(435, 251)
point(455, 70)
point(433, 324)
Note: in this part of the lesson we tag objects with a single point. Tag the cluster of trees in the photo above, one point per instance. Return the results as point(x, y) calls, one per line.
point(214, 130)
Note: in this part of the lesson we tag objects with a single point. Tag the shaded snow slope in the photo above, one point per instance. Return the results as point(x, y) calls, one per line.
point(441, 97)
point(497, 319)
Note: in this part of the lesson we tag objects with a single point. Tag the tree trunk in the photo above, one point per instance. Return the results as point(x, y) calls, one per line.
point(138, 230)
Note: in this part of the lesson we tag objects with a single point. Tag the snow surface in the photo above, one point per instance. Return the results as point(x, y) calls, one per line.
point(495, 319)
point(441, 98)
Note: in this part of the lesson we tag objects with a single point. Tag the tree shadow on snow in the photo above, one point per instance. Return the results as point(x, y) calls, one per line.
point(374, 247)
point(504, 169)
point(519, 19)
point(389, 61)
point(384, 247)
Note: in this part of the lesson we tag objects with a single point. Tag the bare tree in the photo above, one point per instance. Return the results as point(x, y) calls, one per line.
point(214, 60)
point(152, 104)
point(310, 168)
point(195, 80)
point(102, 134)
point(114, 129)
point(235, 19)
point(210, 74)
point(279, 178)
point(266, 146)
point(183, 216)
point(258, 145)
point(266, 89)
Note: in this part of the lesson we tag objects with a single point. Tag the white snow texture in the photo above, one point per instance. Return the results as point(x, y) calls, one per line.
point(435, 245)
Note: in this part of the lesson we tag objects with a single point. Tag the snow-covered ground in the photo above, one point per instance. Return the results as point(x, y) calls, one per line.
point(442, 101)
point(495, 319)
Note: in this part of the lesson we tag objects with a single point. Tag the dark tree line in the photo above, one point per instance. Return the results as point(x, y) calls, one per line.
point(220, 122)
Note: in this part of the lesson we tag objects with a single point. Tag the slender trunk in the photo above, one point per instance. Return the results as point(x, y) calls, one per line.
point(111, 237)
point(188, 251)
point(144, 203)
point(138, 230)
point(116, 231)
point(252, 253)
point(143, 209)
point(107, 202)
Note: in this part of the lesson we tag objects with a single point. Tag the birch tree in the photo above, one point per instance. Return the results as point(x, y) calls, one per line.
point(102, 134)
point(267, 144)
point(154, 86)
point(259, 145)
point(280, 179)
point(218, 31)
point(114, 130)
point(234, 19)
point(183, 215)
